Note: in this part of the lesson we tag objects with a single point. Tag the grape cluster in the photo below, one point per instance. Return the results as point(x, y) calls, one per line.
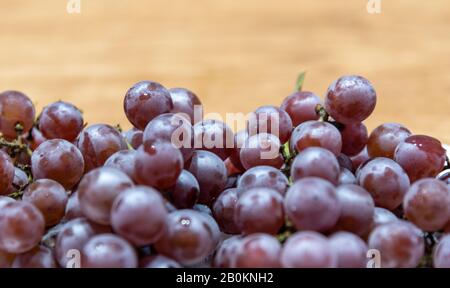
point(160, 196)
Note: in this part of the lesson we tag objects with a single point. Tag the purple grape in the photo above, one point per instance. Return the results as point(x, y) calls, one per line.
point(264, 176)
point(301, 106)
point(315, 162)
point(15, 108)
point(385, 138)
point(214, 136)
point(6, 173)
point(224, 209)
point(123, 160)
point(346, 177)
point(61, 120)
point(134, 137)
point(158, 261)
point(73, 209)
point(272, 120)
point(227, 253)
point(441, 253)
point(354, 138)
point(259, 251)
point(350, 249)
point(261, 149)
point(186, 191)
point(360, 159)
point(184, 101)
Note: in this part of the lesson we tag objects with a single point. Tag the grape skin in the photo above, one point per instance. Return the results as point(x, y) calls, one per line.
point(134, 137)
point(360, 159)
point(227, 253)
point(73, 209)
point(15, 108)
point(224, 209)
point(308, 249)
point(350, 99)
point(123, 160)
point(38, 257)
point(259, 210)
point(350, 249)
point(312, 204)
point(264, 176)
point(354, 138)
point(259, 251)
point(380, 216)
point(316, 134)
point(385, 138)
point(97, 191)
point(214, 136)
point(97, 143)
point(301, 106)
point(49, 197)
point(186, 191)
point(144, 101)
point(21, 226)
point(441, 253)
point(315, 162)
point(184, 101)
point(385, 180)
point(261, 149)
point(108, 251)
point(420, 156)
point(427, 204)
point(6, 172)
point(138, 214)
point(267, 116)
point(400, 243)
point(58, 160)
point(61, 120)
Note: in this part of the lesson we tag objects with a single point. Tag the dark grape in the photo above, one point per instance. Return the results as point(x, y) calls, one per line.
point(144, 101)
point(97, 191)
point(184, 101)
point(139, 215)
point(158, 261)
point(15, 108)
point(158, 165)
point(400, 244)
point(350, 249)
point(259, 210)
point(227, 253)
point(420, 156)
point(214, 136)
point(58, 160)
point(385, 180)
point(98, 142)
point(261, 149)
point(259, 251)
point(186, 191)
point(123, 160)
point(316, 134)
point(6, 173)
point(301, 106)
point(312, 204)
point(308, 250)
point(315, 162)
point(272, 120)
point(61, 120)
point(385, 138)
point(224, 209)
point(354, 138)
point(211, 174)
point(134, 137)
point(350, 99)
point(427, 204)
point(49, 197)
point(264, 176)
point(38, 257)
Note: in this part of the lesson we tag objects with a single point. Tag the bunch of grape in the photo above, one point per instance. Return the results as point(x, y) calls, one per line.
point(157, 196)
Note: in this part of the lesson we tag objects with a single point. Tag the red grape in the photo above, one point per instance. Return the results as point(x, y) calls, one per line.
point(315, 162)
point(6, 173)
point(158, 261)
point(301, 106)
point(224, 209)
point(346, 177)
point(350, 249)
point(441, 253)
point(61, 120)
point(240, 140)
point(134, 137)
point(15, 108)
point(272, 120)
point(227, 252)
point(123, 160)
point(354, 138)
point(360, 159)
point(261, 149)
point(186, 191)
point(385, 138)
point(35, 138)
point(73, 209)
point(259, 251)
point(264, 176)
point(184, 101)
point(214, 136)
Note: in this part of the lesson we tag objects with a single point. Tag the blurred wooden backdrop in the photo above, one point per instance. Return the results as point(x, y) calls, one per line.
point(236, 55)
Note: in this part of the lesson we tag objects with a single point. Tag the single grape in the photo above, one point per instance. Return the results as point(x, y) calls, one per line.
point(227, 252)
point(214, 136)
point(259, 210)
point(72, 237)
point(15, 108)
point(259, 251)
point(350, 249)
point(211, 174)
point(97, 143)
point(346, 177)
point(308, 249)
point(58, 160)
point(184, 101)
point(97, 191)
point(21, 226)
point(264, 176)
point(354, 138)
point(134, 137)
point(272, 120)
point(312, 204)
point(240, 140)
point(139, 215)
point(73, 209)
point(385, 180)
point(316, 134)
point(315, 162)
point(385, 138)
point(123, 160)
point(189, 237)
point(400, 243)
point(108, 251)
point(261, 149)
point(224, 209)
point(186, 191)
point(441, 253)
point(357, 208)
point(158, 261)
point(6, 173)
point(360, 159)
point(38, 257)
point(350, 99)
point(61, 120)
point(144, 101)
point(301, 106)
point(158, 165)
point(49, 197)
point(420, 156)
point(427, 204)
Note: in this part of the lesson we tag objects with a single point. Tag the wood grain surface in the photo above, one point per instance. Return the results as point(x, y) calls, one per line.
point(236, 55)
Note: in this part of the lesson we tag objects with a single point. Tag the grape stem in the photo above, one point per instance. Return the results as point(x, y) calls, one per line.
point(323, 114)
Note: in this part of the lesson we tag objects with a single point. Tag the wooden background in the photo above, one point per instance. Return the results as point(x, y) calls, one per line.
point(235, 54)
